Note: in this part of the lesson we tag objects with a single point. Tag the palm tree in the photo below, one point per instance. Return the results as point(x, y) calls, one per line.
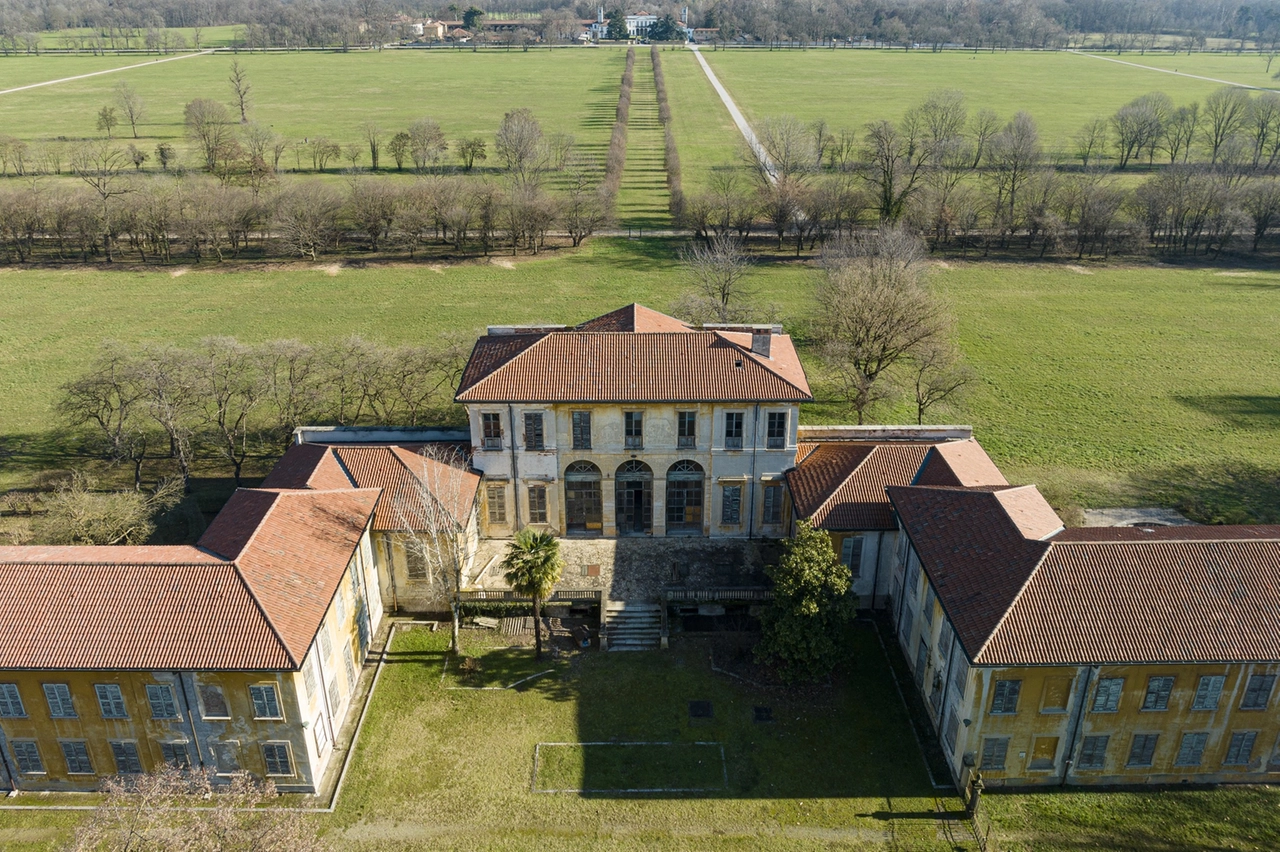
point(532, 567)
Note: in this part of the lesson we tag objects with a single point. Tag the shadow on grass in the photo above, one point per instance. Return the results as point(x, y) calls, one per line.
point(1226, 493)
point(1240, 411)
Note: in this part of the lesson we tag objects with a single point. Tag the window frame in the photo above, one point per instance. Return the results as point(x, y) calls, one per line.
point(538, 512)
point(776, 429)
point(851, 556)
point(285, 746)
point(734, 422)
point(1195, 742)
point(1250, 690)
point(580, 436)
point(265, 690)
point(117, 708)
point(19, 759)
point(771, 510)
point(1208, 685)
point(1234, 746)
point(731, 508)
point(1152, 740)
point(204, 708)
point(169, 752)
point(1157, 697)
point(349, 665)
point(11, 697)
point(535, 433)
point(171, 698)
point(415, 560)
point(496, 509)
point(1000, 695)
point(490, 430)
point(633, 430)
point(1093, 755)
point(1110, 705)
point(88, 757)
point(66, 708)
point(686, 430)
point(992, 745)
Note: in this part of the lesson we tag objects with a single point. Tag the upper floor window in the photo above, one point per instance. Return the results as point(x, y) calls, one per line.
point(633, 430)
point(59, 697)
point(160, 697)
point(776, 430)
point(111, 700)
point(1106, 699)
point(533, 438)
point(213, 702)
point(1158, 691)
point(415, 558)
point(1208, 692)
point(266, 704)
point(733, 430)
point(851, 555)
point(492, 426)
point(1258, 692)
point(11, 701)
point(686, 429)
point(1005, 699)
point(581, 430)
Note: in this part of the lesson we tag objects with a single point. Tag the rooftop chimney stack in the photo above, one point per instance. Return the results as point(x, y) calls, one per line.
point(760, 341)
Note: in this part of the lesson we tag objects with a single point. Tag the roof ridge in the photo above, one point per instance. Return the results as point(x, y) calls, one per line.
point(266, 616)
point(329, 449)
point(1013, 603)
point(1014, 521)
point(758, 360)
point(541, 338)
point(1109, 542)
point(838, 485)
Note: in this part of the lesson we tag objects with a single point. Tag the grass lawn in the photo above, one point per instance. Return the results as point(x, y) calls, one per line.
point(24, 70)
point(332, 94)
point(848, 88)
point(643, 201)
point(209, 36)
point(705, 134)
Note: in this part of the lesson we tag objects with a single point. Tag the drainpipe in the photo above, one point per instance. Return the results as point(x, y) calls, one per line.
point(515, 468)
point(875, 575)
point(755, 439)
point(1076, 725)
point(191, 718)
point(9, 769)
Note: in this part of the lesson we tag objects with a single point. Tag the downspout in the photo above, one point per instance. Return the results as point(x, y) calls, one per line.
point(390, 552)
point(191, 718)
point(8, 768)
point(1076, 725)
point(875, 575)
point(755, 439)
point(515, 467)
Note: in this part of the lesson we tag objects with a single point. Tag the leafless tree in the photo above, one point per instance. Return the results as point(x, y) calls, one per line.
point(1180, 132)
point(209, 125)
point(1012, 155)
point(519, 145)
point(100, 164)
point(131, 105)
point(470, 149)
point(371, 208)
point(790, 145)
point(1262, 203)
point(307, 218)
point(240, 87)
point(1263, 128)
point(436, 516)
point(895, 157)
point(292, 374)
point(1225, 112)
point(984, 124)
point(229, 386)
point(373, 138)
point(874, 312)
point(168, 385)
point(717, 272)
point(938, 373)
point(109, 396)
point(181, 810)
point(427, 143)
point(78, 513)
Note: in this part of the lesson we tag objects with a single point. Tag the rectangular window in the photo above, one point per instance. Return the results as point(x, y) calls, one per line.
point(1056, 695)
point(496, 496)
point(110, 700)
point(213, 702)
point(309, 679)
point(582, 430)
point(1093, 753)
point(1158, 690)
point(733, 430)
point(905, 627)
point(349, 664)
point(11, 701)
point(537, 504)
point(773, 504)
point(731, 505)
point(176, 755)
point(1258, 692)
point(59, 697)
point(340, 606)
point(1240, 750)
point(913, 576)
point(491, 424)
point(227, 756)
point(277, 758)
point(1191, 751)
point(633, 430)
point(851, 555)
point(1143, 750)
point(951, 731)
point(160, 697)
point(927, 609)
point(76, 753)
point(994, 752)
point(326, 642)
point(686, 429)
point(533, 437)
point(1005, 699)
point(266, 704)
point(415, 559)
point(126, 756)
point(776, 430)
point(26, 754)
point(322, 734)
point(1106, 698)
point(335, 697)
point(959, 670)
point(1044, 753)
point(1208, 691)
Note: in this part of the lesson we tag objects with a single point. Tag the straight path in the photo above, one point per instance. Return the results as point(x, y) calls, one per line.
point(1167, 71)
point(757, 150)
point(108, 71)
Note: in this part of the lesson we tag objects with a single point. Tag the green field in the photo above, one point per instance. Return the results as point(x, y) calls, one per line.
point(25, 70)
point(642, 195)
point(705, 134)
point(848, 88)
point(223, 36)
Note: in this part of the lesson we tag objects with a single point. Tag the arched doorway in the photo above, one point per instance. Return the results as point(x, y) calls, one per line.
point(684, 497)
point(634, 495)
point(583, 508)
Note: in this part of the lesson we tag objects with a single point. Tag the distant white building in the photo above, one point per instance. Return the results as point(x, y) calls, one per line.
point(638, 24)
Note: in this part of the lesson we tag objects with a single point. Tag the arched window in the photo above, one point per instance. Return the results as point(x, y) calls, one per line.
point(633, 493)
point(583, 507)
point(684, 497)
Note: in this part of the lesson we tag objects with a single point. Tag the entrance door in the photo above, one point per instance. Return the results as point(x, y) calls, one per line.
point(583, 509)
point(634, 498)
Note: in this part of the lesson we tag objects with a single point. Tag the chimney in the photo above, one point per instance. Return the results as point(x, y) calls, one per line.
point(760, 341)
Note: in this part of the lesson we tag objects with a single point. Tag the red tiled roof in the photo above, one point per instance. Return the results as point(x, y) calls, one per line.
point(576, 366)
point(1092, 595)
point(307, 466)
point(962, 463)
point(634, 318)
point(398, 470)
point(839, 485)
point(144, 554)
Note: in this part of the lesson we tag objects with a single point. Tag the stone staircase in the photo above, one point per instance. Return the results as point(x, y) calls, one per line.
point(631, 626)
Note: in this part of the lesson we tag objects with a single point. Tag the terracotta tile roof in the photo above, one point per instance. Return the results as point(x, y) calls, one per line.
point(840, 485)
point(193, 613)
point(634, 318)
point(307, 466)
point(296, 557)
point(1092, 595)
point(675, 366)
point(962, 463)
point(397, 470)
point(145, 554)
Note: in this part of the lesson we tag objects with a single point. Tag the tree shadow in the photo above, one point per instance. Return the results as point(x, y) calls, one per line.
point(1222, 493)
point(1240, 411)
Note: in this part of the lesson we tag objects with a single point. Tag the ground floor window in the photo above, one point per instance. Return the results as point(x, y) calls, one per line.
point(1093, 752)
point(731, 505)
point(537, 504)
point(126, 756)
point(176, 755)
point(277, 758)
point(496, 497)
point(76, 753)
point(27, 756)
point(994, 752)
point(583, 507)
point(1240, 750)
point(773, 504)
point(684, 497)
point(1143, 750)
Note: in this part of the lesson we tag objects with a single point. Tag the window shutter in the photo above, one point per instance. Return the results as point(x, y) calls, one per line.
point(1208, 692)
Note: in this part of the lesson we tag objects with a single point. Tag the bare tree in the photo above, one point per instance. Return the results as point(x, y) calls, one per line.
point(717, 272)
point(229, 386)
point(1225, 112)
point(1012, 155)
point(131, 105)
point(100, 164)
point(470, 149)
point(79, 514)
point(790, 145)
point(181, 810)
point(437, 518)
point(209, 125)
point(1262, 203)
point(169, 393)
point(292, 374)
point(110, 397)
point(938, 373)
point(896, 159)
point(583, 208)
point(984, 125)
point(874, 312)
point(427, 143)
point(373, 138)
point(1091, 141)
point(518, 144)
point(1180, 132)
point(307, 218)
point(240, 87)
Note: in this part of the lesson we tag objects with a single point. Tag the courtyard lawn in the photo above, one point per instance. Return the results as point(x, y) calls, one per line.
point(442, 769)
point(849, 88)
